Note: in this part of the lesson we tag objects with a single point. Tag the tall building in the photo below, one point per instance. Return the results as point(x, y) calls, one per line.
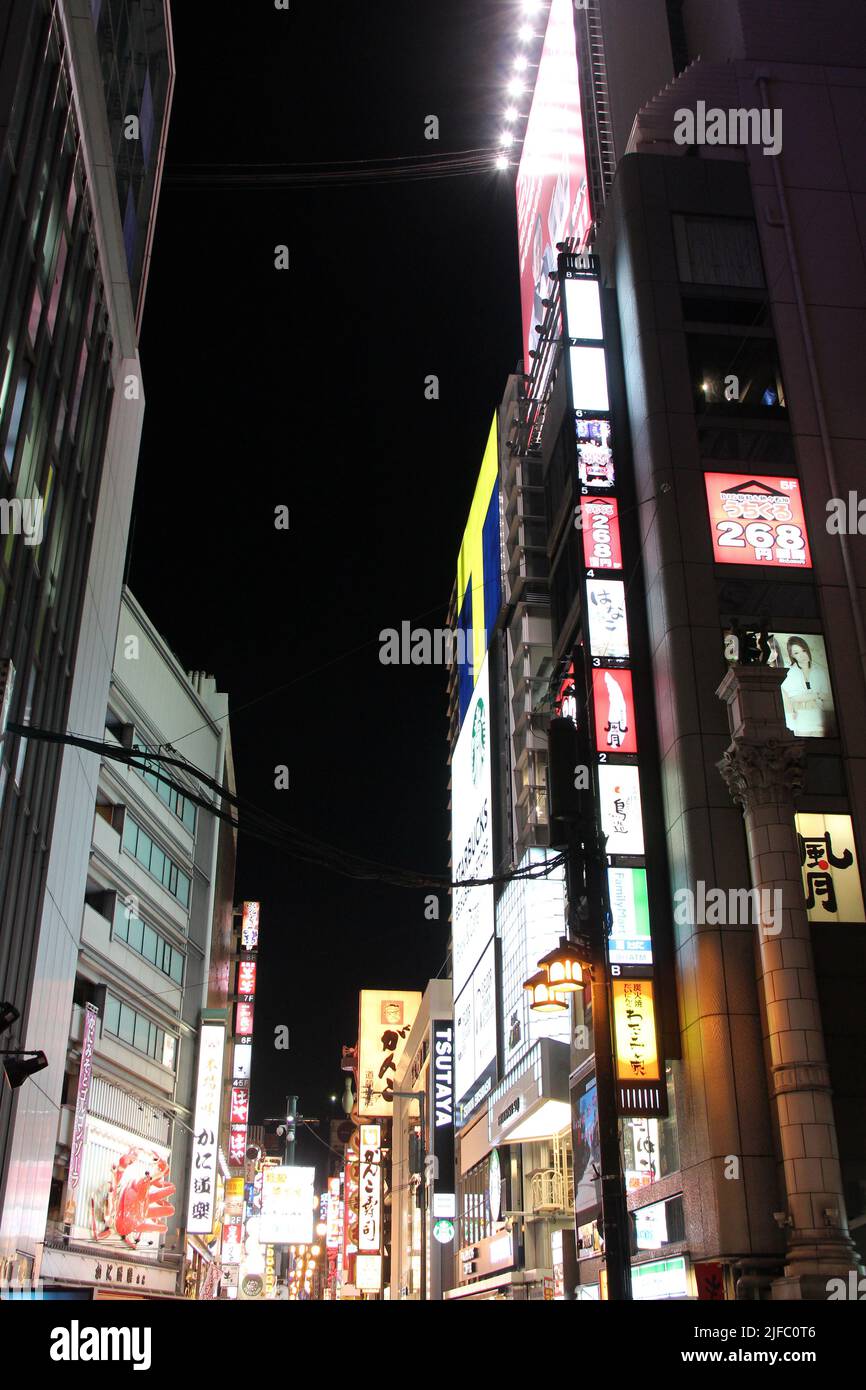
point(155, 908)
point(78, 197)
point(690, 408)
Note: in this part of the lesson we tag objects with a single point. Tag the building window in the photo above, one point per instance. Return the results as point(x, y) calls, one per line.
point(736, 376)
point(718, 251)
point(140, 1032)
point(139, 844)
point(182, 808)
point(146, 942)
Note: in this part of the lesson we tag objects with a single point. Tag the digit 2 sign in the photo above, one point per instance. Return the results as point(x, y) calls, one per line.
point(757, 521)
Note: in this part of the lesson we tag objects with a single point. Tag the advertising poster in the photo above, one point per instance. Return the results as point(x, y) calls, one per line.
point(614, 711)
point(608, 628)
point(807, 694)
point(587, 1151)
point(464, 1042)
point(552, 191)
point(472, 834)
point(621, 819)
point(599, 524)
point(831, 875)
point(757, 521)
point(594, 454)
point(386, 1018)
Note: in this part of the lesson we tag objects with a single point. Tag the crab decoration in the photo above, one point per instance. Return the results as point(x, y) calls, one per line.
point(137, 1198)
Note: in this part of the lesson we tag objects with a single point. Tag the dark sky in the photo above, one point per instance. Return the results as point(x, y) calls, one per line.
point(306, 388)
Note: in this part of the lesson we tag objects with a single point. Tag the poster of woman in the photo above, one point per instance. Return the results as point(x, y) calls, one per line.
point(806, 691)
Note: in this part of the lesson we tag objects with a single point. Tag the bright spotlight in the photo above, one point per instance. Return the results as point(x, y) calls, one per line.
point(515, 86)
point(521, 63)
point(511, 113)
point(502, 161)
point(526, 33)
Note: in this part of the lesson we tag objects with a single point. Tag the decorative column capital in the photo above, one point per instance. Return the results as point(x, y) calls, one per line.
point(761, 774)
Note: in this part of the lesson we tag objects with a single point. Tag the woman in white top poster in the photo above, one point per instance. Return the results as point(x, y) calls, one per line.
point(806, 693)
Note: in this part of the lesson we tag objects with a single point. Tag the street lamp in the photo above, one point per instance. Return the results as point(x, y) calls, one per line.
point(545, 1000)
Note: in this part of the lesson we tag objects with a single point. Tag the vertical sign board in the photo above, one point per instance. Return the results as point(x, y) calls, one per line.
point(85, 1073)
point(386, 1018)
point(442, 1106)
point(370, 1200)
point(205, 1145)
point(611, 703)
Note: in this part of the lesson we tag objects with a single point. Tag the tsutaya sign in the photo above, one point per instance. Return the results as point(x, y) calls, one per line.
point(442, 1106)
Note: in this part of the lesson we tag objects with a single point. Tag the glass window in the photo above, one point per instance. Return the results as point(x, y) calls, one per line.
point(136, 933)
point(126, 1028)
point(151, 942)
point(718, 251)
point(169, 1050)
point(157, 863)
point(121, 922)
point(183, 886)
point(15, 419)
point(130, 835)
point(142, 1033)
point(112, 1014)
point(176, 966)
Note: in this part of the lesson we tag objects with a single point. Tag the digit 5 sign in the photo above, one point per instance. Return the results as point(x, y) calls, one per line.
point(757, 521)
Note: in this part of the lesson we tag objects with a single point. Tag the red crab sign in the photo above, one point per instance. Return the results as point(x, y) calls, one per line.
point(137, 1202)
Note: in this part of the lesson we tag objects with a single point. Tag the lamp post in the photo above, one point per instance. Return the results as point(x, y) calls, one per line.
point(421, 1099)
point(573, 822)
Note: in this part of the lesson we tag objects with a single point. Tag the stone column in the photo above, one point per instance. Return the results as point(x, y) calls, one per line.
point(763, 768)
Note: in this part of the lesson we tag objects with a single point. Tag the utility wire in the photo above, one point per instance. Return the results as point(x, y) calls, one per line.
point(260, 825)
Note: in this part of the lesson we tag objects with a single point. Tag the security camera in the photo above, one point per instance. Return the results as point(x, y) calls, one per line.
point(782, 1219)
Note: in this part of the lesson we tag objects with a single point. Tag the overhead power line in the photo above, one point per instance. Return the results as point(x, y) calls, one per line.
point(261, 825)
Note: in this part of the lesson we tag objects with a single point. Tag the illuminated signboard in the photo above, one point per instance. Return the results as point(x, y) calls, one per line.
point(442, 1106)
point(250, 926)
point(807, 696)
point(629, 942)
point(205, 1144)
point(287, 1205)
point(552, 192)
point(333, 1214)
point(368, 1273)
point(757, 520)
point(237, 1145)
point(831, 875)
point(232, 1241)
point(386, 1018)
point(594, 454)
point(244, 1020)
point(614, 711)
point(586, 1148)
point(634, 1025)
point(479, 575)
point(370, 1197)
point(640, 1142)
point(608, 629)
point(599, 522)
point(620, 805)
point(472, 834)
point(589, 378)
point(240, 1106)
point(475, 1025)
point(242, 1059)
point(247, 977)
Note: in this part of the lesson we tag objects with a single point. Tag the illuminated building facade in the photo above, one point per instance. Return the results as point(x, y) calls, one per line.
point(71, 408)
point(683, 574)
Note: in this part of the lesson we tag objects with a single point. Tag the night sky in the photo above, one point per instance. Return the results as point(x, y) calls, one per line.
point(306, 388)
